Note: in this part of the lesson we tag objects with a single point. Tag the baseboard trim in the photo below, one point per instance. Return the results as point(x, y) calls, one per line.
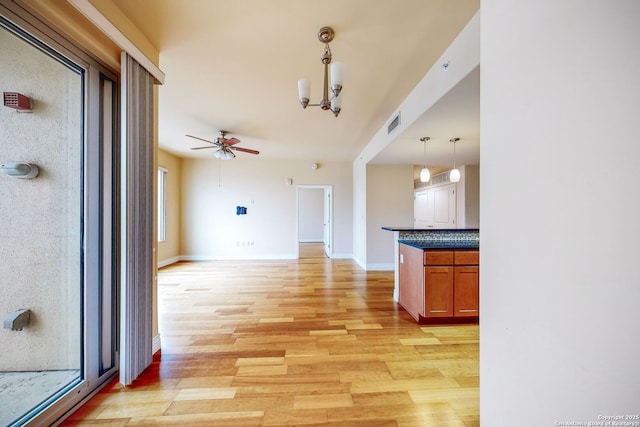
point(341, 256)
point(381, 267)
point(169, 261)
point(237, 258)
point(263, 257)
point(155, 344)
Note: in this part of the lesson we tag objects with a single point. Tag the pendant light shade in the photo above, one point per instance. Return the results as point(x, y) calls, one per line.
point(425, 175)
point(454, 175)
point(304, 91)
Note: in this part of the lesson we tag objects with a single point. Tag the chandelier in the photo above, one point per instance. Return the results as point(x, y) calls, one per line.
point(333, 103)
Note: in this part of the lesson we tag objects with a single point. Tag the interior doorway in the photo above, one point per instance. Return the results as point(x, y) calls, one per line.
point(314, 221)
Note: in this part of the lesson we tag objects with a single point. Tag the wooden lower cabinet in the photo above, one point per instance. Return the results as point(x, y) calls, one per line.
point(466, 291)
point(438, 292)
point(439, 285)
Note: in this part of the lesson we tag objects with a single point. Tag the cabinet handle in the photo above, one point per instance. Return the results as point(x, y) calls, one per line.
point(467, 311)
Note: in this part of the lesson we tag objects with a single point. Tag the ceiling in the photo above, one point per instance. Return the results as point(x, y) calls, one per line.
point(234, 65)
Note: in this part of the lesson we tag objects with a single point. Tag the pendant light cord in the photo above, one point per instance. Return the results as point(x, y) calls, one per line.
point(425, 153)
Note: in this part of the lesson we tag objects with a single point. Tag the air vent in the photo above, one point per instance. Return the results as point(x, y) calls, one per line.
point(17, 101)
point(441, 178)
point(393, 124)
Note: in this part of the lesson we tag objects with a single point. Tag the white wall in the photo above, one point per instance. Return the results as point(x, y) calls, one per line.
point(311, 215)
point(389, 203)
point(468, 197)
point(560, 102)
point(212, 189)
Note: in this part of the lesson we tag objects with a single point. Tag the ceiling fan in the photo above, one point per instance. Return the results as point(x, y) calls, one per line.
point(225, 146)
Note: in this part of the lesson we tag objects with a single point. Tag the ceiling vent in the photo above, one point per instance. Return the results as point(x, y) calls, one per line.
point(393, 124)
point(439, 179)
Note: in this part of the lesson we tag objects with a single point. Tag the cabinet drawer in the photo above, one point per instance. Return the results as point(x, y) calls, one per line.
point(438, 257)
point(467, 258)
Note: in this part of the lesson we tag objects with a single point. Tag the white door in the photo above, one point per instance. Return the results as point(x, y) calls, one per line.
point(327, 222)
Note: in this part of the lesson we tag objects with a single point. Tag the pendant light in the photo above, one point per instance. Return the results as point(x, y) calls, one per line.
point(425, 175)
point(454, 175)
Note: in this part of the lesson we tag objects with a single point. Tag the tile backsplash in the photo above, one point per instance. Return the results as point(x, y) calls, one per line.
point(466, 235)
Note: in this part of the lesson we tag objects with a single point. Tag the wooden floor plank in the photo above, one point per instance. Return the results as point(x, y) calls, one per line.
point(314, 342)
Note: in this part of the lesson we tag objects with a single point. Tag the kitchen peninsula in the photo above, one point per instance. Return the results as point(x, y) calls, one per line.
point(437, 273)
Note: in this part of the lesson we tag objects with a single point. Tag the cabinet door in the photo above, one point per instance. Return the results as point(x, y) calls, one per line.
point(438, 291)
point(445, 206)
point(423, 209)
point(466, 292)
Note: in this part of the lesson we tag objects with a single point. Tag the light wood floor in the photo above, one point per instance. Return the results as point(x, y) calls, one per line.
point(311, 250)
point(307, 342)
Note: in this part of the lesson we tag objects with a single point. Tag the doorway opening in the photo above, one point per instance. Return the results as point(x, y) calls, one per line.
point(315, 223)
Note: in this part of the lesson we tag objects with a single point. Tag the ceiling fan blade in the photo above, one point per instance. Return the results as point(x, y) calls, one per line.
point(231, 141)
point(245, 150)
point(200, 148)
point(202, 139)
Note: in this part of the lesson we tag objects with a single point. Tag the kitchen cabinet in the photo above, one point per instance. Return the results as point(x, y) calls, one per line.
point(435, 207)
point(440, 285)
point(448, 205)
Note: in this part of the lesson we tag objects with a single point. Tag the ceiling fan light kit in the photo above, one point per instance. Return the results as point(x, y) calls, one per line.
point(335, 69)
point(225, 146)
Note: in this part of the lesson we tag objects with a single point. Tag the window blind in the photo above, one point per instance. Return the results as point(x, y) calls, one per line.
point(138, 172)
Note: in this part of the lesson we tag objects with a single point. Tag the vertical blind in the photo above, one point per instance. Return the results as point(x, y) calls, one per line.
point(137, 168)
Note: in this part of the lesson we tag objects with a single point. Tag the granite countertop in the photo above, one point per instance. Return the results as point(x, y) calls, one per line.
point(446, 244)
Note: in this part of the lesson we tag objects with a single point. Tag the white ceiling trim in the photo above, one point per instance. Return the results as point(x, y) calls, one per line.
point(100, 21)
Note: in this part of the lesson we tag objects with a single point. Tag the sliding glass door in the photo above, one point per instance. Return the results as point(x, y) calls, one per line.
point(58, 296)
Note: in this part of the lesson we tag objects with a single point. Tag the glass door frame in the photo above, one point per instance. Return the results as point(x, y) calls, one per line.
point(99, 192)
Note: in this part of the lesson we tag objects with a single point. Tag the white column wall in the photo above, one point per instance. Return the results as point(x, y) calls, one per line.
point(560, 108)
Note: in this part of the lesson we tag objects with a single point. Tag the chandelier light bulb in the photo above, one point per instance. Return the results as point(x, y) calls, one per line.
point(304, 92)
point(337, 75)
